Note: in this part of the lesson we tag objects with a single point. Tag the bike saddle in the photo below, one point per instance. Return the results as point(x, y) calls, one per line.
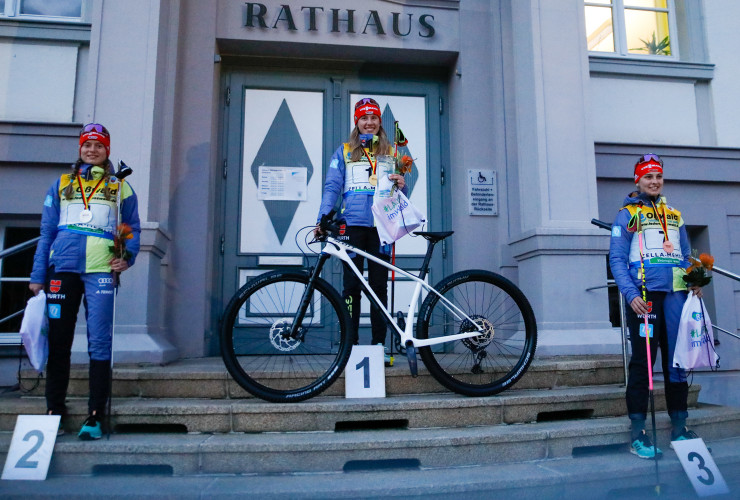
point(434, 237)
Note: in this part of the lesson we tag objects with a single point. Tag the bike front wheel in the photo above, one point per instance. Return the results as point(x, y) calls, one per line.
point(487, 363)
point(259, 351)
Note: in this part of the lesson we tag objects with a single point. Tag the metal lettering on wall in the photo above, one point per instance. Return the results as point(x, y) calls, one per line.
point(371, 22)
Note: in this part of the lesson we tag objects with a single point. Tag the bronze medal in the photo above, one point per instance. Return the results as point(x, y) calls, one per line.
point(668, 246)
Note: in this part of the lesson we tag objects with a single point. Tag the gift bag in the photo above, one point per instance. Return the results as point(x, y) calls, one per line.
point(35, 331)
point(395, 217)
point(695, 341)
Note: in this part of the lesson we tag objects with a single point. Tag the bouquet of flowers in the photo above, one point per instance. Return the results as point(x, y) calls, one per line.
point(697, 273)
point(118, 248)
point(403, 164)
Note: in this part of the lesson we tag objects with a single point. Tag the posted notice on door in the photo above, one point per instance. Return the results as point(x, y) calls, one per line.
point(282, 183)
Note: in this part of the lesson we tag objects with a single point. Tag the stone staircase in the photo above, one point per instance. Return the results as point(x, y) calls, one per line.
point(190, 418)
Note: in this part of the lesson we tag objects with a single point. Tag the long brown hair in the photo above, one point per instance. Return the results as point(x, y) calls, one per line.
point(382, 147)
point(69, 191)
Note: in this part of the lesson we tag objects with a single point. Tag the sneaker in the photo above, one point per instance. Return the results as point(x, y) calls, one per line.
point(91, 429)
point(60, 430)
point(387, 358)
point(643, 447)
point(685, 434)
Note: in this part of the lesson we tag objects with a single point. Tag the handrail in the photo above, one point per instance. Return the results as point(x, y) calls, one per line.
point(11, 251)
point(715, 269)
point(20, 247)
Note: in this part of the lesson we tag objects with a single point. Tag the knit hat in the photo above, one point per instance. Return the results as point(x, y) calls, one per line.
point(366, 106)
point(95, 132)
point(646, 164)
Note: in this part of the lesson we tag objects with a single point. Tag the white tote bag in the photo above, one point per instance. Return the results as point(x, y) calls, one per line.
point(695, 341)
point(395, 217)
point(35, 331)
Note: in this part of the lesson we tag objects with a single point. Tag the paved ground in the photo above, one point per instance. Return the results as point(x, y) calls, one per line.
point(611, 474)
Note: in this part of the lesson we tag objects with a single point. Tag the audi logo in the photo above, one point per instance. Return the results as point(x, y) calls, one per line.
point(105, 281)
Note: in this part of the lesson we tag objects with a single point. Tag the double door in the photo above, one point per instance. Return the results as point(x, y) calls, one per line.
point(280, 132)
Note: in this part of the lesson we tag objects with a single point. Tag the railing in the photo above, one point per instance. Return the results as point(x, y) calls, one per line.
point(611, 283)
point(10, 340)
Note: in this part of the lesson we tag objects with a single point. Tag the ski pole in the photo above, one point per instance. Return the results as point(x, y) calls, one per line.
point(123, 172)
point(649, 354)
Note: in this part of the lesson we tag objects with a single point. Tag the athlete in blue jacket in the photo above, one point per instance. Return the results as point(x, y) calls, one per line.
point(74, 258)
point(665, 250)
point(352, 175)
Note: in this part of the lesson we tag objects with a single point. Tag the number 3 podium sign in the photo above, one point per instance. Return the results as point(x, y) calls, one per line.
point(700, 467)
point(30, 449)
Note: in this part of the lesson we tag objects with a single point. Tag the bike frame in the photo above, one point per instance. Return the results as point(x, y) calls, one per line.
point(340, 249)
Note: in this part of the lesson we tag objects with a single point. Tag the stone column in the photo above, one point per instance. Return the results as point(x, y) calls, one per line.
point(559, 253)
point(126, 75)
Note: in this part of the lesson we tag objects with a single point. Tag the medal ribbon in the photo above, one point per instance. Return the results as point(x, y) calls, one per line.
point(86, 202)
point(367, 155)
point(663, 221)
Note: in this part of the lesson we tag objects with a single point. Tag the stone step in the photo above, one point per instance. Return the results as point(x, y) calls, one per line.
point(208, 378)
point(330, 413)
point(271, 453)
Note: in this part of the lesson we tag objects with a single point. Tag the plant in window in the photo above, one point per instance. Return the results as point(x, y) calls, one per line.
point(655, 47)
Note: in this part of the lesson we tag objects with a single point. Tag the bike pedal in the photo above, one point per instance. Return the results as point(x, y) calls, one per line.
point(411, 355)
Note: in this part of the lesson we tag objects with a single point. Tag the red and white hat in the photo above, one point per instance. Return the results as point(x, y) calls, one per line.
point(95, 132)
point(366, 106)
point(646, 164)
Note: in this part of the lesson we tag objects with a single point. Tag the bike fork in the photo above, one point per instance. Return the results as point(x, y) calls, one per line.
point(296, 331)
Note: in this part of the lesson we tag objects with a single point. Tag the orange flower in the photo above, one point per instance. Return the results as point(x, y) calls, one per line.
point(404, 164)
point(707, 261)
point(691, 268)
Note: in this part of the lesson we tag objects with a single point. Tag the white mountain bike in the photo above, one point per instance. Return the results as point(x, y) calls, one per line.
point(286, 335)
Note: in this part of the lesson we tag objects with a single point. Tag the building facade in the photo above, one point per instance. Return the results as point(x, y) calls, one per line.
point(213, 104)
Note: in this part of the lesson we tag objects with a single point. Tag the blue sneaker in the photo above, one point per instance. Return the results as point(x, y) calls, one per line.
point(91, 429)
point(685, 435)
point(643, 447)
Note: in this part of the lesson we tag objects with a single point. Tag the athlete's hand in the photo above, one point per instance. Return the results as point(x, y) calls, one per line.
point(639, 306)
point(398, 179)
point(696, 290)
point(35, 287)
point(317, 232)
point(118, 265)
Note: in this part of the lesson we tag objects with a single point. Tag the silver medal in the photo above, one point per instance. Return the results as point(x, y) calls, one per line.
point(86, 216)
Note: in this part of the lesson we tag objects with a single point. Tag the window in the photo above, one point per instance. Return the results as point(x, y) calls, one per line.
point(631, 27)
point(15, 272)
point(42, 10)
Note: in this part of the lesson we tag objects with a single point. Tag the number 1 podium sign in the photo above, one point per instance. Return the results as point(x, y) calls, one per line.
point(364, 376)
point(30, 449)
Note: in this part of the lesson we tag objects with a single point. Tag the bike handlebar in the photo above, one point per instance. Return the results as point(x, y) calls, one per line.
point(328, 226)
point(601, 224)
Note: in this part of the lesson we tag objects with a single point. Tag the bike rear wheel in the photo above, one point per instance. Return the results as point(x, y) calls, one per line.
point(257, 348)
point(492, 361)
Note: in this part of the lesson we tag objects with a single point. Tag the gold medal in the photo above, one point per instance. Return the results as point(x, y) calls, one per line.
point(668, 246)
point(374, 180)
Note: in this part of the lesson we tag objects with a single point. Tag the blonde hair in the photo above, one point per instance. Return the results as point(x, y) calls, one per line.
point(382, 147)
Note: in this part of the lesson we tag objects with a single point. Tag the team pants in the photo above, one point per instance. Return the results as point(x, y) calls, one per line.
point(664, 318)
point(64, 293)
point(367, 239)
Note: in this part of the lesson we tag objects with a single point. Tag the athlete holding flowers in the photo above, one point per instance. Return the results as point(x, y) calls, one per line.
point(76, 257)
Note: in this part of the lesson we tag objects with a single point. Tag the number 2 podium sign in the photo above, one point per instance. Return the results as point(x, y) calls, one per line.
point(30, 449)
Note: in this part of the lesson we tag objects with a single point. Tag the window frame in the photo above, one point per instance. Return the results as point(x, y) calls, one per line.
point(619, 30)
point(12, 13)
